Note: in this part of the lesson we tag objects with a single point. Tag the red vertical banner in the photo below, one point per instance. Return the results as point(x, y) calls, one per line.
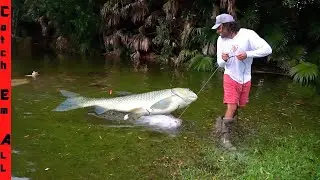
point(5, 89)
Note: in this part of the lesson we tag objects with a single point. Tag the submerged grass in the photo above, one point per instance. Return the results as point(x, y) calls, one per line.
point(277, 136)
point(296, 157)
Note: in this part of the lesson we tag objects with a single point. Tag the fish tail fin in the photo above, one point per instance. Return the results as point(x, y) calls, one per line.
point(71, 103)
point(68, 94)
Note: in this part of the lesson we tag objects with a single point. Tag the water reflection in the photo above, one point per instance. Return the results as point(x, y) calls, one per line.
point(158, 123)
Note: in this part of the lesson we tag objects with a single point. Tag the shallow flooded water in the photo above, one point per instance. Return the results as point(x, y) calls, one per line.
point(277, 134)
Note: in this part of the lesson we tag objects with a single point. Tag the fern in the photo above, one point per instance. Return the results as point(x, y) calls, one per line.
point(204, 39)
point(305, 73)
point(184, 55)
point(201, 63)
point(277, 39)
point(314, 56)
point(278, 35)
point(162, 33)
point(203, 35)
point(290, 58)
point(297, 52)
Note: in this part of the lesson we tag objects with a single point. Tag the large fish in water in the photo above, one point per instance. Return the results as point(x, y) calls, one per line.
point(136, 105)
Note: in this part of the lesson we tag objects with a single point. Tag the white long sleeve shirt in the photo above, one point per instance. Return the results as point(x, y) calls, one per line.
point(248, 41)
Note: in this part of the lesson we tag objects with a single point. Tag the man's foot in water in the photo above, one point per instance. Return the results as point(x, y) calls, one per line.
point(225, 142)
point(222, 132)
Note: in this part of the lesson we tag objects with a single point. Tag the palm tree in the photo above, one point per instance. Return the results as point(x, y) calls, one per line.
point(153, 30)
point(295, 53)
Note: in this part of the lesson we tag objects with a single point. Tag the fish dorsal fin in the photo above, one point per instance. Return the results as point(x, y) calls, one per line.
point(123, 93)
point(100, 110)
point(162, 104)
point(68, 93)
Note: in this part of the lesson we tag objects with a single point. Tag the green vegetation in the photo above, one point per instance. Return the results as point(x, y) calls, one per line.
point(277, 135)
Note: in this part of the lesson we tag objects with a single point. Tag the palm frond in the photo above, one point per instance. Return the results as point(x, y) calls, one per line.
point(289, 58)
point(251, 17)
point(201, 63)
point(229, 5)
point(109, 8)
point(113, 40)
point(183, 56)
point(223, 3)
point(277, 38)
point(135, 58)
point(171, 8)
point(125, 38)
point(305, 73)
point(232, 7)
point(141, 29)
point(283, 62)
point(139, 11)
point(152, 19)
point(185, 34)
point(125, 11)
point(198, 35)
point(203, 36)
point(314, 56)
point(209, 49)
point(112, 20)
point(206, 38)
point(297, 53)
point(163, 33)
point(215, 11)
point(140, 43)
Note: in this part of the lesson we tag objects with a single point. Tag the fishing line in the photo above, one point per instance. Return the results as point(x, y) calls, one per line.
point(200, 90)
point(244, 70)
point(209, 80)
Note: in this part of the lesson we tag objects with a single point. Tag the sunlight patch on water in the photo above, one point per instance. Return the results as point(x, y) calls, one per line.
point(19, 178)
point(15, 152)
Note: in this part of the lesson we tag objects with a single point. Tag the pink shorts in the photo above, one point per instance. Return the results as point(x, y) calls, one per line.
point(234, 92)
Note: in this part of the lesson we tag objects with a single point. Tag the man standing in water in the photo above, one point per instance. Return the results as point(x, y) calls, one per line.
point(236, 48)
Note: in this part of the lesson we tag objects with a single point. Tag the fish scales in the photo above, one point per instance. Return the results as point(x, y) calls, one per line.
point(155, 102)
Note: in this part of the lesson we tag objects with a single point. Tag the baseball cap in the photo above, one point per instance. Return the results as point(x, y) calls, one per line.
point(222, 18)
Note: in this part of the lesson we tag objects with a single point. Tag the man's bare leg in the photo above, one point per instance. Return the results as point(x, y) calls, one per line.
point(230, 112)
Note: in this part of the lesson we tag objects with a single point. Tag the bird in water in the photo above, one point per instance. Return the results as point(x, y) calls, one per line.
point(34, 74)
